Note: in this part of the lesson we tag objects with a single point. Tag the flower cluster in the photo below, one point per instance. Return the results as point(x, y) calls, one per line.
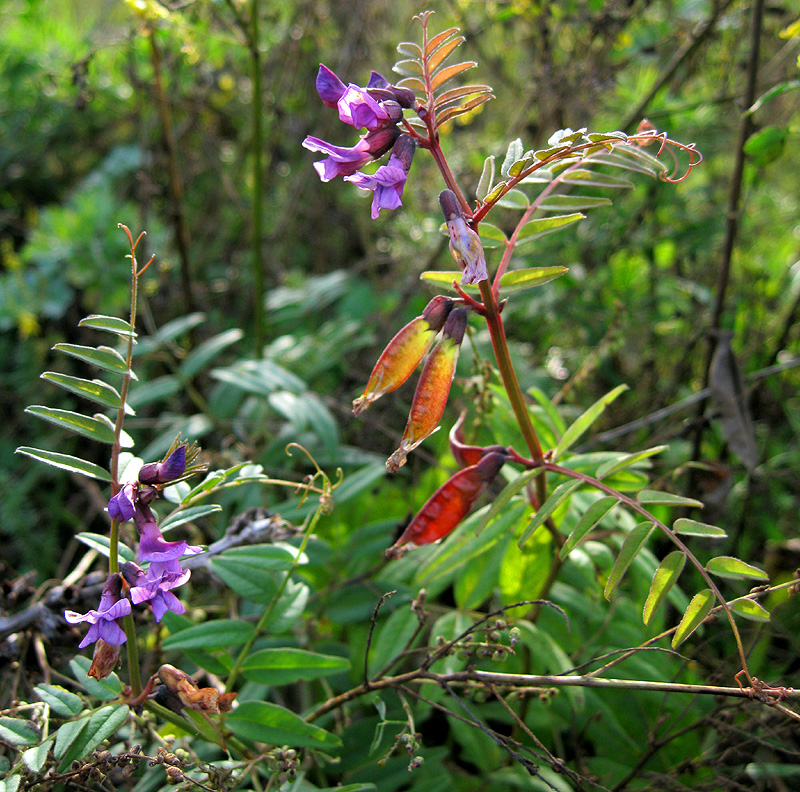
point(378, 108)
point(137, 585)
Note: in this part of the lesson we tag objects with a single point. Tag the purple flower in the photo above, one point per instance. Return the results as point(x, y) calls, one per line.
point(165, 471)
point(465, 244)
point(155, 586)
point(121, 507)
point(357, 108)
point(152, 545)
point(343, 161)
point(389, 180)
point(105, 620)
point(329, 87)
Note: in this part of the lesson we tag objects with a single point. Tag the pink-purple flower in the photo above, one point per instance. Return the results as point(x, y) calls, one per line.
point(155, 586)
point(388, 181)
point(343, 161)
point(105, 620)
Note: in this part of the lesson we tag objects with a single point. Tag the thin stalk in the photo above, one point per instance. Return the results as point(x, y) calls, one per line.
point(270, 609)
point(131, 646)
point(511, 383)
point(258, 184)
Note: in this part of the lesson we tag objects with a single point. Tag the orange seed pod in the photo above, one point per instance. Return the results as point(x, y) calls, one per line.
point(466, 455)
point(433, 389)
point(448, 505)
point(404, 352)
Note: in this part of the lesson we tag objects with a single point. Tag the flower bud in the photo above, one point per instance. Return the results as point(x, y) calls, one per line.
point(165, 471)
point(404, 352)
point(433, 389)
point(465, 244)
point(449, 504)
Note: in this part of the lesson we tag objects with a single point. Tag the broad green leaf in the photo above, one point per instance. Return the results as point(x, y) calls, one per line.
point(408, 68)
point(516, 280)
point(410, 49)
point(35, 758)
point(687, 527)
point(589, 519)
point(750, 609)
point(285, 666)
point(103, 357)
point(514, 152)
point(667, 499)
point(94, 390)
point(220, 663)
point(767, 144)
point(544, 154)
point(734, 569)
point(664, 579)
point(168, 332)
point(263, 722)
point(392, 637)
point(200, 357)
point(60, 700)
point(75, 422)
point(111, 324)
point(289, 608)
point(66, 462)
point(440, 279)
point(101, 544)
point(577, 203)
point(633, 543)
point(542, 226)
point(491, 236)
point(188, 514)
point(514, 199)
point(776, 90)
point(589, 178)
point(248, 570)
point(557, 424)
point(104, 689)
point(101, 725)
point(611, 467)
point(586, 420)
point(554, 500)
point(215, 634)
point(502, 500)
point(698, 609)
point(67, 734)
point(487, 178)
point(18, 732)
point(157, 389)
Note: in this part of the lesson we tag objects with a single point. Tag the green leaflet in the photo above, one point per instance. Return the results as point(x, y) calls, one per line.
point(586, 420)
point(66, 462)
point(664, 579)
point(735, 569)
point(633, 543)
point(593, 515)
point(693, 617)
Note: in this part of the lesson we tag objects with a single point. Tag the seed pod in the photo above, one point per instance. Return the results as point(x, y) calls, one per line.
point(433, 389)
point(404, 352)
point(448, 505)
point(463, 454)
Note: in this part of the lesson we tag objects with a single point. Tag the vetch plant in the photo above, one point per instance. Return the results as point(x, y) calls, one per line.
point(544, 187)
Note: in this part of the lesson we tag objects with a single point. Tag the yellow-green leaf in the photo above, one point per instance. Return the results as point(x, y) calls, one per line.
point(735, 569)
point(693, 617)
point(668, 572)
point(633, 543)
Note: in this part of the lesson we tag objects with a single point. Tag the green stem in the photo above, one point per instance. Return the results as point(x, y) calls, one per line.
point(511, 383)
point(258, 186)
point(270, 609)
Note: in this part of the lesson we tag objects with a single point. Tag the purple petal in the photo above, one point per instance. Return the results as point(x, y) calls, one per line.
point(377, 80)
point(110, 632)
point(121, 507)
point(329, 87)
point(341, 161)
point(153, 546)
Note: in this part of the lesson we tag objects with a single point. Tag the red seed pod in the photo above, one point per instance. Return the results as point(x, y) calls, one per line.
point(466, 455)
point(404, 352)
point(448, 505)
point(432, 390)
